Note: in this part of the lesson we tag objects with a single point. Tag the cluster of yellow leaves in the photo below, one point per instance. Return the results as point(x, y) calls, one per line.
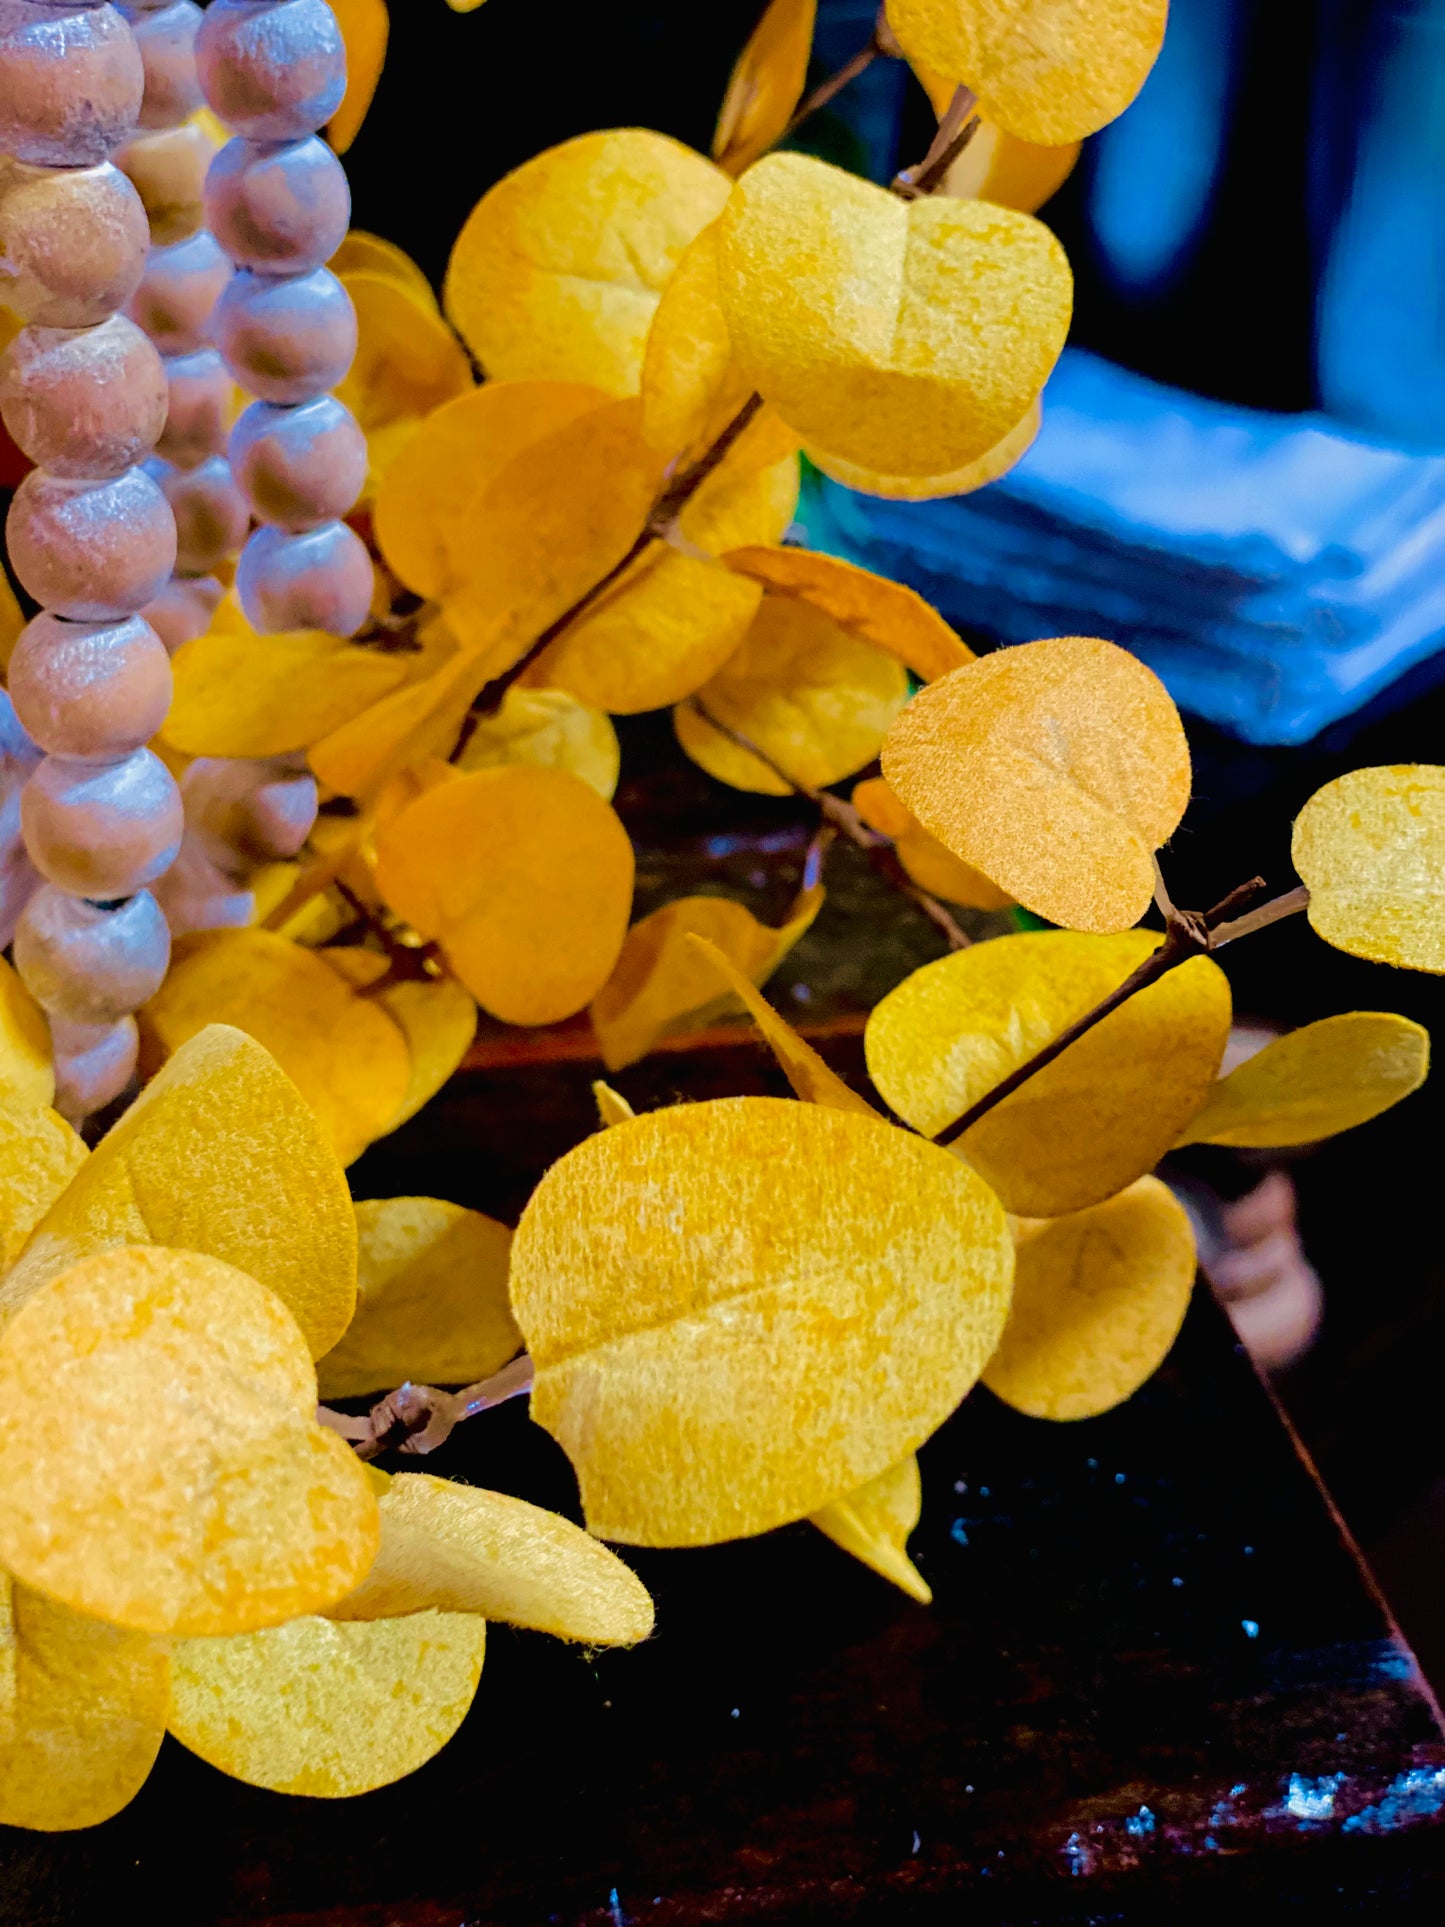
point(188, 1548)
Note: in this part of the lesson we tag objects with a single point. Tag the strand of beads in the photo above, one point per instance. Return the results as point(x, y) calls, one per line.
point(91, 537)
point(185, 276)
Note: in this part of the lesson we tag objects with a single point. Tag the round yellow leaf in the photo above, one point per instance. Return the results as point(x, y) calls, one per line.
point(1317, 1080)
point(408, 361)
point(766, 84)
point(27, 1079)
point(82, 1712)
point(250, 695)
point(1100, 1115)
point(326, 1709)
point(189, 1489)
point(1099, 1297)
point(999, 167)
point(1056, 768)
point(345, 1054)
point(552, 729)
point(742, 1310)
point(1050, 71)
point(39, 1155)
point(422, 501)
point(557, 273)
point(524, 877)
point(930, 866)
point(814, 698)
point(908, 337)
point(892, 617)
point(431, 1301)
point(461, 1550)
point(220, 1154)
point(364, 253)
point(929, 488)
point(691, 383)
point(1371, 847)
point(365, 26)
point(436, 1016)
point(874, 1524)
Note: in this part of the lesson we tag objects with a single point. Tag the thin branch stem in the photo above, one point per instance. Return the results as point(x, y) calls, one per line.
point(1289, 905)
point(956, 129)
point(828, 90)
point(416, 1419)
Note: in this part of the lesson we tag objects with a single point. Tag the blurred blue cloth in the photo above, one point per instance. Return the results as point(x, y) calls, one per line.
point(1276, 572)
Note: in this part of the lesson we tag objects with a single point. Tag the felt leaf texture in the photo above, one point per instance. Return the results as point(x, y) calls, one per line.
point(808, 693)
point(325, 1709)
point(906, 336)
point(691, 382)
point(455, 1548)
point(27, 1079)
point(365, 26)
point(1099, 1297)
point(557, 272)
point(82, 1712)
point(1100, 1115)
point(1371, 847)
point(418, 720)
point(435, 1015)
point(227, 1507)
point(676, 617)
point(431, 1301)
point(887, 614)
point(552, 729)
point(874, 1524)
point(929, 865)
point(1320, 1079)
point(408, 362)
point(533, 916)
point(997, 461)
point(456, 452)
point(1050, 71)
point(810, 1076)
point(262, 1188)
point(765, 85)
point(742, 1310)
point(346, 1055)
point(612, 1106)
point(39, 1155)
point(365, 253)
point(1056, 768)
point(549, 526)
point(242, 694)
point(662, 983)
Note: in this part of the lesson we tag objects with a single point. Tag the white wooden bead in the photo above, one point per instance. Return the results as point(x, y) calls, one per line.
point(93, 551)
point(91, 690)
point(286, 338)
point(93, 1064)
point(180, 287)
point(73, 241)
point(184, 608)
point(102, 830)
point(89, 963)
point(278, 210)
point(242, 814)
point(201, 393)
point(273, 70)
point(84, 405)
point(211, 513)
point(166, 38)
point(321, 579)
point(299, 466)
point(196, 895)
point(70, 83)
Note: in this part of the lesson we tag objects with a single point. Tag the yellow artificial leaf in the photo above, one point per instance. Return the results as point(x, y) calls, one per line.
point(813, 697)
point(189, 1488)
point(677, 615)
point(408, 362)
point(434, 1014)
point(662, 983)
point(345, 1054)
point(998, 166)
point(218, 1154)
point(465, 444)
point(1056, 768)
point(906, 336)
point(363, 253)
point(327, 1709)
point(552, 729)
point(1050, 71)
point(12, 616)
point(742, 1310)
point(804, 1069)
point(365, 26)
point(612, 1106)
point(1371, 847)
point(1099, 1297)
point(928, 488)
point(252, 695)
point(931, 867)
point(1318, 1080)
point(765, 85)
point(548, 527)
point(39, 1155)
point(82, 1712)
point(691, 383)
point(874, 1524)
point(431, 1301)
point(27, 1079)
point(1104, 1112)
point(533, 916)
point(887, 614)
point(557, 273)
point(418, 720)
point(457, 1549)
